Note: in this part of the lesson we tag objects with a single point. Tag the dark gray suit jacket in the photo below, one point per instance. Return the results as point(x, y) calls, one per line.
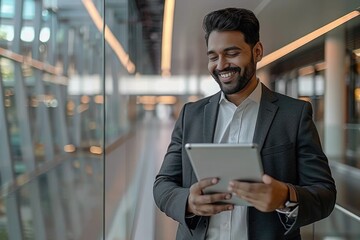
point(291, 152)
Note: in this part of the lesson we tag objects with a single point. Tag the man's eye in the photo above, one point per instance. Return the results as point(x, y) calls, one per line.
point(212, 58)
point(233, 54)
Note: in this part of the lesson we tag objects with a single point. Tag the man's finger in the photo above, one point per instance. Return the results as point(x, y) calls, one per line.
point(211, 209)
point(207, 182)
point(213, 198)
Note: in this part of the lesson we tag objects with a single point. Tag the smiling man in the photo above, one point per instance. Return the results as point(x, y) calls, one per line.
point(232, 63)
point(297, 187)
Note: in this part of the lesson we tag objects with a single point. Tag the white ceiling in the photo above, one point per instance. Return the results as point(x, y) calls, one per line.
point(281, 22)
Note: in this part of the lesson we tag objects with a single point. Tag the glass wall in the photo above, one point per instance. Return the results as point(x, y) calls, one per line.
point(62, 112)
point(51, 120)
point(306, 79)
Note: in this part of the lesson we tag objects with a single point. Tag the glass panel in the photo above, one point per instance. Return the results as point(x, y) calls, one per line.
point(339, 225)
point(307, 232)
point(280, 85)
point(6, 32)
point(7, 8)
point(29, 9)
point(352, 133)
point(66, 197)
point(124, 158)
point(51, 167)
point(306, 85)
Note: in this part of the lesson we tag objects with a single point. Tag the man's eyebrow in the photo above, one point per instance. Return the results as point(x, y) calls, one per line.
point(225, 50)
point(231, 48)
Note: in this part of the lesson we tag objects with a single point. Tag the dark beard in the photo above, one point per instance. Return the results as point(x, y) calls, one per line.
point(241, 82)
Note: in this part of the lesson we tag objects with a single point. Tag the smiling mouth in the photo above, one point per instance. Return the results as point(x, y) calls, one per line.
point(226, 74)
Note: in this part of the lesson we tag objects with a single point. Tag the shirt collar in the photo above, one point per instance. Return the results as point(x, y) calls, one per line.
point(255, 96)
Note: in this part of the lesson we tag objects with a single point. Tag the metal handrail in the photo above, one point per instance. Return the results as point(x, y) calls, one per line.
point(352, 126)
point(24, 178)
point(347, 212)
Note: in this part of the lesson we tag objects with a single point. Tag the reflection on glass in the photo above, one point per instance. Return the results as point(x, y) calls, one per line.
point(55, 135)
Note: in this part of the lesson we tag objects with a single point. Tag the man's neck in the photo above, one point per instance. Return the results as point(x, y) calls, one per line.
point(239, 97)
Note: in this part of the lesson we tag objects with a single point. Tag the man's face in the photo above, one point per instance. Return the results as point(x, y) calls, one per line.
point(231, 60)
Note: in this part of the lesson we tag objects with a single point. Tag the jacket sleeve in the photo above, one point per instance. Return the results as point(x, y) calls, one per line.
point(169, 194)
point(316, 191)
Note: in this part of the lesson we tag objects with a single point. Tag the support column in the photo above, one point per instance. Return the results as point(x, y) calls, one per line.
point(335, 94)
point(264, 76)
point(7, 174)
point(26, 140)
point(43, 121)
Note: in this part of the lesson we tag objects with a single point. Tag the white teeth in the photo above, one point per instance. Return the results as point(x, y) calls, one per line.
point(226, 75)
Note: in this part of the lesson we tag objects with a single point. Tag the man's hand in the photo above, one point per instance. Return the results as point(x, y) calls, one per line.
point(204, 204)
point(266, 196)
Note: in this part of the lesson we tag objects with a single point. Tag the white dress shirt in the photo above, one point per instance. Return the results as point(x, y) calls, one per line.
point(235, 124)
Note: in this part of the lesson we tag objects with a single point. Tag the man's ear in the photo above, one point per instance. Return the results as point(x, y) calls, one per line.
point(258, 52)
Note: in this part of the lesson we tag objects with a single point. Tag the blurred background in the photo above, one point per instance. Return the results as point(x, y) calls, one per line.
point(90, 90)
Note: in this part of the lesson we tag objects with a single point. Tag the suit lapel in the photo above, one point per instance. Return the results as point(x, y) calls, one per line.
point(267, 111)
point(210, 117)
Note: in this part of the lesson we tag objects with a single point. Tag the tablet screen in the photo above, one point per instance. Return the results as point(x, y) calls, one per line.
point(227, 162)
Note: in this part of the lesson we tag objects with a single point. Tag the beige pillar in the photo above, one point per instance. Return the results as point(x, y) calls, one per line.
point(335, 94)
point(264, 76)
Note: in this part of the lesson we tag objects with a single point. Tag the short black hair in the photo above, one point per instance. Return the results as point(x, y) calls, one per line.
point(233, 19)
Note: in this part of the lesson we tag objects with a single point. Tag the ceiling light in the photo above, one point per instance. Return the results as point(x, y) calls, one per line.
point(357, 52)
point(306, 39)
point(109, 36)
point(167, 37)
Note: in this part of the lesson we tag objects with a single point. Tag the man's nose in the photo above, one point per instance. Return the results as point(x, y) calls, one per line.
point(222, 63)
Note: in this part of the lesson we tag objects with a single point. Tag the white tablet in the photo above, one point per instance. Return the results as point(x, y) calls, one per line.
point(227, 162)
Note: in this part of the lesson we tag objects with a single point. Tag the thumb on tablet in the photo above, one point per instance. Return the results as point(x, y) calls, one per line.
point(267, 179)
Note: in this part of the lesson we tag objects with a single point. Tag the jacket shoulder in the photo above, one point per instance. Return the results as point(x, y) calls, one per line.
point(284, 100)
point(202, 102)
